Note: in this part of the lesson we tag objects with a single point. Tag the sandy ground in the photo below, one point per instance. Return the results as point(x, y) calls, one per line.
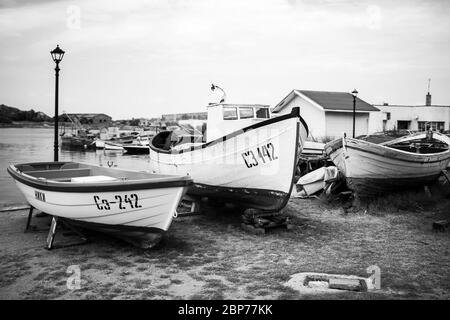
point(212, 257)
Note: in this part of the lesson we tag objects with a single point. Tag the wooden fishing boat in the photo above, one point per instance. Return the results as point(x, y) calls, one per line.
point(129, 204)
point(373, 169)
point(252, 166)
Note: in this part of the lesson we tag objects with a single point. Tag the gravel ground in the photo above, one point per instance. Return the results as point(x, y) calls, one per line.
point(211, 257)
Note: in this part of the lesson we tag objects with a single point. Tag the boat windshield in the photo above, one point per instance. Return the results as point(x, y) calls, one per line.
point(262, 113)
point(245, 112)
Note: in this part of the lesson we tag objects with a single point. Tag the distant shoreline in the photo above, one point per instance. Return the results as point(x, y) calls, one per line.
point(27, 124)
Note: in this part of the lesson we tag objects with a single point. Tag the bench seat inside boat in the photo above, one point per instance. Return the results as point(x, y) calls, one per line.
point(83, 173)
point(60, 174)
point(91, 179)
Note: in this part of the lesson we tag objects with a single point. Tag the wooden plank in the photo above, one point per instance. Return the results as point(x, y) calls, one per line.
point(346, 284)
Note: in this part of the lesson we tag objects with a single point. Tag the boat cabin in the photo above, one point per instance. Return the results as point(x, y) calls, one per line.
point(223, 119)
point(227, 118)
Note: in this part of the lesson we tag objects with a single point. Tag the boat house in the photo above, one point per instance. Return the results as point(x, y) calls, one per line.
point(328, 114)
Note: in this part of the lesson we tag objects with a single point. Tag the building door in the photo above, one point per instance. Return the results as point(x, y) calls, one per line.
point(403, 125)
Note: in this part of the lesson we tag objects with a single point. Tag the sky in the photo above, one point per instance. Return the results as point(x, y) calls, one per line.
point(144, 58)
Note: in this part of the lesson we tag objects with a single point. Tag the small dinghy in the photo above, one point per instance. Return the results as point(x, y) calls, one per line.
point(131, 205)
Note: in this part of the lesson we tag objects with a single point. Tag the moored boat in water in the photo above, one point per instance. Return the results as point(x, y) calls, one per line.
point(250, 165)
point(373, 169)
point(139, 146)
point(136, 149)
point(135, 206)
point(113, 146)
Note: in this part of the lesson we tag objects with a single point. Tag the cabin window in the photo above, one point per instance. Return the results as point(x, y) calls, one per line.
point(230, 113)
point(245, 113)
point(262, 113)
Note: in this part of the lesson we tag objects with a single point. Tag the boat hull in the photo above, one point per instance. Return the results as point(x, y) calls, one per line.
point(131, 149)
point(113, 146)
point(253, 167)
point(372, 170)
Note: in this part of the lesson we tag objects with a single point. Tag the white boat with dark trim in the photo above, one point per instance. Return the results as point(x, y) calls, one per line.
point(130, 204)
point(373, 169)
point(246, 158)
point(113, 146)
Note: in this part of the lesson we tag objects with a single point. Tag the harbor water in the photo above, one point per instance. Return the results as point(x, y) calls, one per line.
point(19, 145)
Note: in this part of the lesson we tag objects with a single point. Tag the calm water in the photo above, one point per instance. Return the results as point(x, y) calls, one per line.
point(18, 145)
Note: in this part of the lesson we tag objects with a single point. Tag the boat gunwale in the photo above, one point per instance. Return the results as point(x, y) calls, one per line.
point(99, 187)
point(335, 145)
point(295, 113)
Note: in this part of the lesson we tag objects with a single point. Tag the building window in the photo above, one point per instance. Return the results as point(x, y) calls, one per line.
point(262, 113)
point(230, 113)
point(403, 125)
point(388, 116)
point(245, 112)
point(434, 125)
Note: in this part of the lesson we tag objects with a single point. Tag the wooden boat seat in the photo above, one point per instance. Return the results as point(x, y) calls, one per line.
point(60, 174)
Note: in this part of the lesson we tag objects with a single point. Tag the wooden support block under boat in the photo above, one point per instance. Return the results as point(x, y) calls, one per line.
point(441, 226)
point(258, 221)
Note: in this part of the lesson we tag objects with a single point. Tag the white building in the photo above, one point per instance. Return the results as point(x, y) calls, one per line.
point(328, 114)
point(414, 118)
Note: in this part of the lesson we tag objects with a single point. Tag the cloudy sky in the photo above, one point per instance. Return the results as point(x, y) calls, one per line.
point(142, 58)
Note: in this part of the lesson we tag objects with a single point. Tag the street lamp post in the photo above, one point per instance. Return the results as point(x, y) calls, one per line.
point(354, 93)
point(57, 55)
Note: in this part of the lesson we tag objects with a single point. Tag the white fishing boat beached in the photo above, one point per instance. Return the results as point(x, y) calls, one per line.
point(248, 158)
point(372, 169)
point(129, 204)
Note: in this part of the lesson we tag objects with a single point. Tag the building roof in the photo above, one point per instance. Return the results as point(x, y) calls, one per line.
point(329, 101)
point(411, 106)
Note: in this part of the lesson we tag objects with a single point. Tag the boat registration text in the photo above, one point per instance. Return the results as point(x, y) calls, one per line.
point(264, 154)
point(126, 202)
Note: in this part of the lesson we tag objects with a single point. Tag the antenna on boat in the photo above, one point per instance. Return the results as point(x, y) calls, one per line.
point(214, 87)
